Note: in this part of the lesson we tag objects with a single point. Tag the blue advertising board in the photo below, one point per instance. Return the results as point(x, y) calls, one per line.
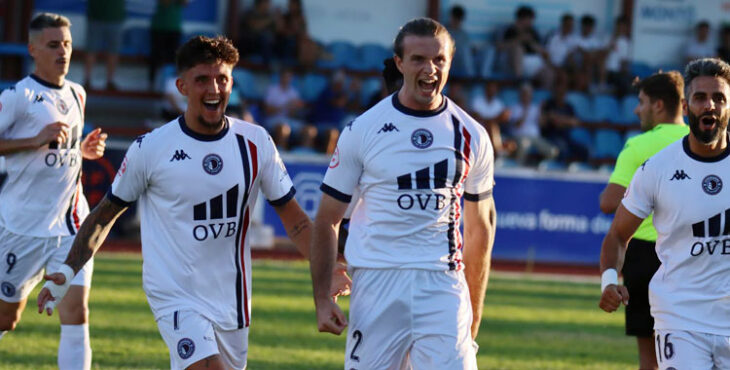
point(195, 10)
point(541, 217)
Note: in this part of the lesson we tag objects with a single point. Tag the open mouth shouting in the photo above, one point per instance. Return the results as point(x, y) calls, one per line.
point(428, 85)
point(212, 105)
point(708, 122)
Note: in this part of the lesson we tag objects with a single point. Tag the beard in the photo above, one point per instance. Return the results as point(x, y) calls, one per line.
point(211, 125)
point(706, 136)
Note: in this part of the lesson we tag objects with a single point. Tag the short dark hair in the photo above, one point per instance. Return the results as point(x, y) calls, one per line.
point(703, 24)
point(47, 20)
point(566, 17)
point(458, 12)
point(711, 67)
point(587, 20)
point(665, 86)
point(201, 49)
point(524, 11)
point(420, 27)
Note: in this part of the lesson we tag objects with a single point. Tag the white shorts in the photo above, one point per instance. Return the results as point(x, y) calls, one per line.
point(679, 349)
point(190, 337)
point(409, 319)
point(23, 259)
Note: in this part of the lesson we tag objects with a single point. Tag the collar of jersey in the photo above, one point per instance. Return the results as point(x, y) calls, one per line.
point(418, 113)
point(202, 137)
point(45, 83)
point(719, 157)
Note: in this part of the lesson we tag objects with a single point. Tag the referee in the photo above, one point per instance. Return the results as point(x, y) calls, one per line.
point(660, 114)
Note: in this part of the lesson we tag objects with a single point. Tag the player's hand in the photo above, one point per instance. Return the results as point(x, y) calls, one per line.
point(45, 298)
point(613, 296)
point(93, 145)
point(56, 131)
point(330, 318)
point(341, 283)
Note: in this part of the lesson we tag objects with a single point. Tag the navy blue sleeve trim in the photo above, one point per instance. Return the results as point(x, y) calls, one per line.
point(477, 197)
point(334, 193)
point(117, 200)
point(281, 201)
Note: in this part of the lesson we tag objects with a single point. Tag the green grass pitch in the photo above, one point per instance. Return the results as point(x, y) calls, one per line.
point(529, 323)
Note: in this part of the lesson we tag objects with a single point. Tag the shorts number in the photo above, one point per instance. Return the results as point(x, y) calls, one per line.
point(11, 262)
point(668, 349)
point(357, 335)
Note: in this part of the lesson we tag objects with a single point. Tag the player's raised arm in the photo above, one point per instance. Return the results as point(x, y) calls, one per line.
point(323, 255)
point(89, 238)
point(479, 228)
point(612, 255)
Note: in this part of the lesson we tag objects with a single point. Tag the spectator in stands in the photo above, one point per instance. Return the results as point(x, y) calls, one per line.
point(258, 30)
point(103, 35)
point(331, 107)
point(522, 43)
point(391, 82)
point(328, 141)
point(306, 141)
point(723, 52)
point(556, 121)
point(457, 93)
point(282, 103)
point(525, 129)
point(462, 64)
point(616, 70)
point(489, 110)
point(175, 103)
point(281, 134)
point(560, 45)
point(291, 27)
point(590, 52)
point(700, 46)
point(165, 34)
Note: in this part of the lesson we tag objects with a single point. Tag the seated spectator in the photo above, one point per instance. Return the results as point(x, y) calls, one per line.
point(328, 141)
point(556, 121)
point(456, 92)
point(700, 46)
point(462, 64)
point(257, 31)
point(282, 103)
point(490, 111)
point(305, 141)
point(616, 70)
point(560, 45)
point(522, 43)
point(590, 53)
point(175, 103)
point(293, 43)
point(723, 52)
point(281, 134)
point(331, 107)
point(525, 129)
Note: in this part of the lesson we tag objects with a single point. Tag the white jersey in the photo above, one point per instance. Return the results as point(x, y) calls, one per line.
point(42, 195)
point(691, 208)
point(196, 195)
point(412, 169)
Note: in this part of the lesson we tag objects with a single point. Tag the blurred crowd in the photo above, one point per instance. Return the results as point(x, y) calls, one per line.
point(528, 89)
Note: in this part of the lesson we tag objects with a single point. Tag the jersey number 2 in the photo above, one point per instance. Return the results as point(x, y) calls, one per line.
point(357, 335)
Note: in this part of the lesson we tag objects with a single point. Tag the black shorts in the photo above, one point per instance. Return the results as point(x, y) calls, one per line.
point(640, 264)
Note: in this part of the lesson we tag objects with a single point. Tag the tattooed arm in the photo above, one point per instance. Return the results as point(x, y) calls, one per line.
point(88, 240)
point(297, 224)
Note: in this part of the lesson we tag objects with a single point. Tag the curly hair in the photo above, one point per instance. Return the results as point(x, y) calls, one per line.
point(205, 50)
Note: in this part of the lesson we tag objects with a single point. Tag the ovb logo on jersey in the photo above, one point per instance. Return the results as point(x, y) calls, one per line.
point(422, 138)
point(712, 184)
point(213, 209)
point(61, 106)
point(212, 164)
point(7, 289)
point(185, 348)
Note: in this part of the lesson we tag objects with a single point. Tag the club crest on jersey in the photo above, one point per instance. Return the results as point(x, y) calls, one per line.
point(712, 184)
point(61, 106)
point(422, 138)
point(7, 289)
point(185, 348)
point(212, 164)
point(335, 161)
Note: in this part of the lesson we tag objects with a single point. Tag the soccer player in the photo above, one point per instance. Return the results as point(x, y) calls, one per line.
point(683, 185)
point(196, 179)
point(660, 113)
point(418, 285)
point(42, 201)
